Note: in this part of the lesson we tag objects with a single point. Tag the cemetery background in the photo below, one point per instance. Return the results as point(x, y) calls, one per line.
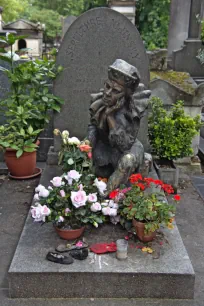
point(196, 202)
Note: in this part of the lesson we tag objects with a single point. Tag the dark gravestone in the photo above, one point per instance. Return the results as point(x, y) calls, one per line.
point(92, 43)
point(67, 23)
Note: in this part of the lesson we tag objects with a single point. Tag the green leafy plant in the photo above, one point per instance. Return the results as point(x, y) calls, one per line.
point(171, 132)
point(152, 19)
point(29, 101)
point(147, 207)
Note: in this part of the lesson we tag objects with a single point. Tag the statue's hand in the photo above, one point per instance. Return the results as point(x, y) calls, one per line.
point(141, 93)
point(114, 108)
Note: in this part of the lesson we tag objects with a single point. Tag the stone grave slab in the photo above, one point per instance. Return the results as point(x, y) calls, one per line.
point(92, 43)
point(140, 276)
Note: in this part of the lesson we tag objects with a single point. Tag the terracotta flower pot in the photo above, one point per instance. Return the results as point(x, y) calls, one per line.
point(140, 230)
point(23, 166)
point(69, 234)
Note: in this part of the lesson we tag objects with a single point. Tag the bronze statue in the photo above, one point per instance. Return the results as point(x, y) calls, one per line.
point(114, 124)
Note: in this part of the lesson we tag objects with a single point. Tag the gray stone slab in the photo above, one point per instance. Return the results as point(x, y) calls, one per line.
point(67, 23)
point(179, 24)
point(93, 42)
point(31, 276)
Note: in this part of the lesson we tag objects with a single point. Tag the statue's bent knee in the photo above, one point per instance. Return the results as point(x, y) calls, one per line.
point(127, 163)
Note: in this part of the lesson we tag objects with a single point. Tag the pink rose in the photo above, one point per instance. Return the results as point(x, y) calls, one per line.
point(78, 198)
point(57, 181)
point(89, 155)
point(44, 193)
point(39, 188)
point(67, 210)
point(106, 211)
point(60, 219)
point(36, 197)
point(92, 197)
point(72, 175)
point(39, 213)
point(62, 193)
point(95, 207)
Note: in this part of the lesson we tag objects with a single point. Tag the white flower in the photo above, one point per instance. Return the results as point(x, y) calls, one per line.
point(39, 212)
point(60, 219)
point(95, 224)
point(50, 188)
point(74, 141)
point(65, 134)
point(36, 197)
point(112, 204)
point(92, 197)
point(44, 193)
point(39, 188)
point(113, 212)
point(106, 211)
point(57, 181)
point(95, 207)
point(78, 198)
point(72, 175)
point(100, 185)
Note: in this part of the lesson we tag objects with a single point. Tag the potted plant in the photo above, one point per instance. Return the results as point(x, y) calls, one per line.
point(26, 107)
point(147, 210)
point(171, 134)
point(75, 198)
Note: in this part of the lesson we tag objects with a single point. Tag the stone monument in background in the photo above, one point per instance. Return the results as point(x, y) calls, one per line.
point(185, 59)
point(92, 43)
point(66, 23)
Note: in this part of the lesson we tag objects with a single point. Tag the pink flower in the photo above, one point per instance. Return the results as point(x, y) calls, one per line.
point(92, 197)
point(67, 210)
point(62, 193)
point(57, 181)
point(72, 175)
point(89, 155)
point(39, 212)
point(39, 188)
point(96, 207)
point(106, 211)
point(78, 198)
point(60, 219)
point(36, 197)
point(79, 244)
point(44, 193)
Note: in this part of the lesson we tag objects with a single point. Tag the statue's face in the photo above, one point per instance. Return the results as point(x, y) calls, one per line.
point(112, 92)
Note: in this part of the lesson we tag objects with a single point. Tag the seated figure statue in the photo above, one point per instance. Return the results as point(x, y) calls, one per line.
point(115, 115)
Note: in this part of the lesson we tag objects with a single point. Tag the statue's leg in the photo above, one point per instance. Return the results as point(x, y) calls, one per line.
point(127, 164)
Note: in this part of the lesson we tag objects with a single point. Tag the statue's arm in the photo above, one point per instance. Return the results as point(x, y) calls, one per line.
point(92, 134)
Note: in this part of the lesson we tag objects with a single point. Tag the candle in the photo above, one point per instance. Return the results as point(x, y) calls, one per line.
point(122, 246)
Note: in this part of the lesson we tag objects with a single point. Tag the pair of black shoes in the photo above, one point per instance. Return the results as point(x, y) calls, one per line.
point(80, 254)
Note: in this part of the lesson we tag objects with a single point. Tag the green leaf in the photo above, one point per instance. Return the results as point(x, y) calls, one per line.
point(6, 59)
point(30, 130)
point(70, 161)
point(29, 149)
point(19, 153)
point(45, 99)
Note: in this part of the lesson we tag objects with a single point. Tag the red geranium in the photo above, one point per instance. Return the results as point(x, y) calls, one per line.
point(142, 186)
point(113, 194)
point(177, 197)
point(135, 178)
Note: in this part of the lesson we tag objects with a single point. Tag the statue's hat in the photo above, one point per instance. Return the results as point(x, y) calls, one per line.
point(124, 73)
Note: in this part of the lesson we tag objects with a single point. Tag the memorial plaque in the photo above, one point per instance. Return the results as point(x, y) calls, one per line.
point(92, 43)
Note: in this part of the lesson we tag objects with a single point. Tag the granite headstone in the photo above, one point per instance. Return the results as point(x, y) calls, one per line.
point(92, 43)
point(67, 23)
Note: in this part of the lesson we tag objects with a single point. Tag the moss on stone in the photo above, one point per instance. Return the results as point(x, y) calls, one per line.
point(179, 79)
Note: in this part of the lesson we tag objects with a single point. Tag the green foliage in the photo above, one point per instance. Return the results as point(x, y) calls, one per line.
point(171, 133)
point(13, 9)
point(147, 208)
point(26, 108)
point(153, 22)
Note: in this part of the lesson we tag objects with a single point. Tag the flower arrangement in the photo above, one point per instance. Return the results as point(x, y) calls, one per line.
point(70, 204)
point(74, 154)
point(137, 203)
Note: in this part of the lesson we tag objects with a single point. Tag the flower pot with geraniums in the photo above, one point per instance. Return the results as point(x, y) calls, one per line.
point(76, 198)
point(147, 210)
point(25, 108)
point(171, 134)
